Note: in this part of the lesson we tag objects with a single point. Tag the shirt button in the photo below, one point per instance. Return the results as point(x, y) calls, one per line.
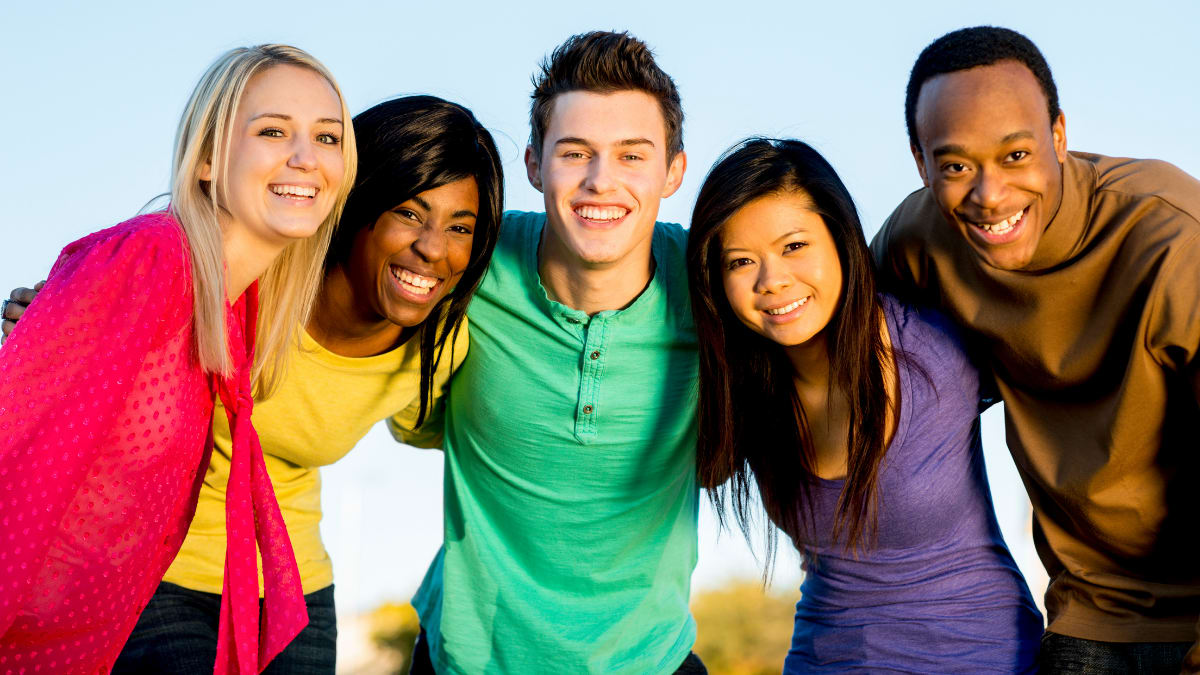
point(572, 320)
point(595, 354)
point(587, 410)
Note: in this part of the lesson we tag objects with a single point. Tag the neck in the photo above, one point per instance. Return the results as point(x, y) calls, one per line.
point(810, 365)
point(593, 288)
point(246, 259)
point(344, 322)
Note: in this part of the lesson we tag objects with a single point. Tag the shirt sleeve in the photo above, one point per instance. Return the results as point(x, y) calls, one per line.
point(430, 434)
point(65, 374)
point(1173, 334)
point(1173, 337)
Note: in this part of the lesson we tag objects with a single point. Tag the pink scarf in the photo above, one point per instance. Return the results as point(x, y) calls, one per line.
point(244, 644)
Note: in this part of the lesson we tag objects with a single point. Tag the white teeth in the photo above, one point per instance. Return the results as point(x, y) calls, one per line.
point(601, 212)
point(1003, 226)
point(413, 281)
point(294, 190)
point(787, 308)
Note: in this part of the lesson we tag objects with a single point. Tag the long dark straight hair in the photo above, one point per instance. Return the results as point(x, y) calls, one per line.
point(406, 146)
point(751, 421)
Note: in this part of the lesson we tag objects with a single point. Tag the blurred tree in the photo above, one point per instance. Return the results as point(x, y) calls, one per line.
point(394, 628)
point(742, 629)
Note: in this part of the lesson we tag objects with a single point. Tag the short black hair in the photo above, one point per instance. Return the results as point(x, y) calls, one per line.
point(968, 48)
point(603, 62)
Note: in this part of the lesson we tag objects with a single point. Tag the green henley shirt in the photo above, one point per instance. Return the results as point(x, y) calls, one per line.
point(570, 489)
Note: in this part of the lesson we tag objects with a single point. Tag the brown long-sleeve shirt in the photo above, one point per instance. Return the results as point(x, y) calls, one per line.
point(1097, 357)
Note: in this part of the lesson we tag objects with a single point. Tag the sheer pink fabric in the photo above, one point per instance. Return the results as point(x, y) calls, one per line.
point(104, 416)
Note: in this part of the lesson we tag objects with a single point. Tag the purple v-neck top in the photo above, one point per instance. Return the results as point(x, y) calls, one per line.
point(939, 591)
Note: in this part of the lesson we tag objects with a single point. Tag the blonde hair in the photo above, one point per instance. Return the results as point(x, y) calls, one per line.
point(289, 286)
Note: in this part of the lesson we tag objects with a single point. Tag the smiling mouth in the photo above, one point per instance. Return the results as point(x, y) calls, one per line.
point(1001, 227)
point(414, 283)
point(297, 192)
point(788, 308)
point(601, 214)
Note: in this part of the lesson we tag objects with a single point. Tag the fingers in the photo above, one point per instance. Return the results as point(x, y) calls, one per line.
point(24, 296)
point(13, 310)
point(15, 306)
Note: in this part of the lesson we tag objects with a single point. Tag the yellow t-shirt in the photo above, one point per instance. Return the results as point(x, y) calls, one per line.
point(323, 406)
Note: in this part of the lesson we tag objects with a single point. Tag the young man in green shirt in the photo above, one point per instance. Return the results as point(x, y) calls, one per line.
point(570, 490)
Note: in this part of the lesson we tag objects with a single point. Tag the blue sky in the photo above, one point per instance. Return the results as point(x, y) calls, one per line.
point(92, 93)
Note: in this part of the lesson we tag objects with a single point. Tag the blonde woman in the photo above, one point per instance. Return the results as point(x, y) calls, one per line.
point(109, 380)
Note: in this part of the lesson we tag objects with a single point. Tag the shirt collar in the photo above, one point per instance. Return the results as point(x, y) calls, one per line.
point(1065, 233)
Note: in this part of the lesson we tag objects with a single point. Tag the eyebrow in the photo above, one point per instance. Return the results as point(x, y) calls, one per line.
point(798, 230)
point(461, 213)
point(281, 116)
point(952, 149)
point(575, 140)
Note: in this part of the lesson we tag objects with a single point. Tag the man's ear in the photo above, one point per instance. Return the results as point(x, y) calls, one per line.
point(919, 158)
point(675, 171)
point(1059, 131)
point(533, 168)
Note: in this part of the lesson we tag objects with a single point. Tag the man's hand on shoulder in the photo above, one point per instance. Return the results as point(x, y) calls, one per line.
point(16, 304)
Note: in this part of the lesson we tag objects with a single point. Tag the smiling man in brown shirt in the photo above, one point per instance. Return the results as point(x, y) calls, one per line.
point(1077, 279)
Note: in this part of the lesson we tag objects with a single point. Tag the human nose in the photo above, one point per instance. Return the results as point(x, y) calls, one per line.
point(988, 189)
point(431, 244)
point(599, 177)
point(304, 156)
point(772, 278)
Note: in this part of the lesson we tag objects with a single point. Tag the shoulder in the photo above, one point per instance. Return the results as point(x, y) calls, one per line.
point(911, 239)
point(670, 242)
point(671, 232)
point(1153, 182)
point(512, 260)
point(148, 244)
point(670, 249)
point(521, 225)
point(911, 234)
point(925, 332)
point(911, 224)
point(670, 255)
point(518, 231)
point(458, 349)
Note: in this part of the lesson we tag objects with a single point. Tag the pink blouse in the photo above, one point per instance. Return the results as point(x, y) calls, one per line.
point(105, 418)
